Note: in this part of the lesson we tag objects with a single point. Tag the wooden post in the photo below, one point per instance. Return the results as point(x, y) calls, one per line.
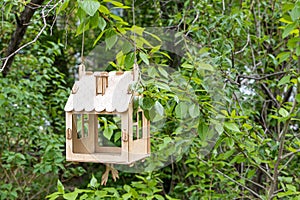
point(135, 72)
point(81, 70)
point(125, 142)
point(69, 143)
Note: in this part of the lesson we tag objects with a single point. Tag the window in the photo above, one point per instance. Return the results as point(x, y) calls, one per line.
point(82, 125)
point(137, 129)
point(109, 131)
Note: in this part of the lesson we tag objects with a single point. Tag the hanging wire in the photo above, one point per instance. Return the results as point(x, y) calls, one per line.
point(135, 66)
point(134, 34)
point(82, 46)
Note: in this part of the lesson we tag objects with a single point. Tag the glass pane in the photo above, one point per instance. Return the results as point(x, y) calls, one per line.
point(79, 126)
point(109, 131)
point(134, 131)
point(140, 125)
point(85, 125)
point(82, 125)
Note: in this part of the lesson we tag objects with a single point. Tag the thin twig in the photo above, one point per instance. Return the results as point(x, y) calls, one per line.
point(281, 138)
point(244, 47)
point(196, 18)
point(259, 77)
point(271, 95)
point(289, 154)
point(247, 188)
point(37, 36)
point(289, 160)
point(246, 156)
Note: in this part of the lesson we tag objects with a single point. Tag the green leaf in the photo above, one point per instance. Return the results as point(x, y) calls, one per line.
point(104, 9)
point(115, 3)
point(129, 60)
point(219, 128)
point(119, 58)
point(298, 51)
point(283, 112)
point(60, 187)
point(287, 193)
point(194, 110)
point(291, 187)
point(187, 66)
point(163, 72)
point(126, 47)
point(82, 27)
point(159, 197)
point(93, 181)
point(126, 196)
point(284, 80)
point(232, 126)
point(108, 132)
point(2, 112)
point(100, 193)
point(147, 103)
point(102, 23)
point(283, 56)
point(94, 21)
point(289, 28)
point(127, 188)
point(284, 20)
point(138, 30)
point(89, 6)
point(99, 37)
point(181, 110)
point(110, 39)
point(163, 86)
point(170, 198)
point(120, 20)
point(159, 108)
point(63, 6)
point(70, 196)
point(154, 36)
point(117, 136)
point(298, 98)
point(295, 14)
point(251, 173)
point(205, 66)
point(144, 57)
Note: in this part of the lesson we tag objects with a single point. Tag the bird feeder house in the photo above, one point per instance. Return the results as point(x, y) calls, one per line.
point(102, 123)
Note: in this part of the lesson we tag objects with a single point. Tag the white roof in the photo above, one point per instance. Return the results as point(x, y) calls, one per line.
point(116, 97)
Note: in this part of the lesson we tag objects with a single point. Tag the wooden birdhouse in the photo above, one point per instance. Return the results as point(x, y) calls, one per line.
point(102, 123)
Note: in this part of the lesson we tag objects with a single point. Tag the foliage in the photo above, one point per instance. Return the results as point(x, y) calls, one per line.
point(145, 188)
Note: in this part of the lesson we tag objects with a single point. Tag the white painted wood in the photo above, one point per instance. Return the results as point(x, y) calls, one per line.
point(120, 97)
point(115, 97)
point(69, 105)
point(84, 98)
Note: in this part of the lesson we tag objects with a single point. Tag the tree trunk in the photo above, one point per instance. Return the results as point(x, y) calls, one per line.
point(18, 35)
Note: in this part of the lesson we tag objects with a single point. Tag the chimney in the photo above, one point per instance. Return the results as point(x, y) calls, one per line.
point(101, 82)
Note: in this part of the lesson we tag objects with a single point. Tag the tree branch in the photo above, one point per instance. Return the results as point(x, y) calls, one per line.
point(238, 183)
point(18, 35)
point(269, 93)
point(258, 77)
